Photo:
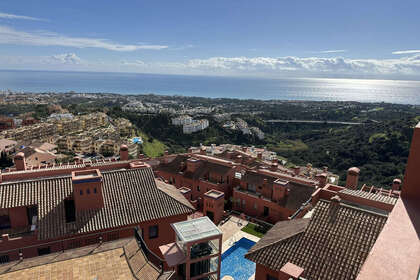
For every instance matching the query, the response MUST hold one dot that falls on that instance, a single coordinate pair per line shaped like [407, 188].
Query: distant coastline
[307, 89]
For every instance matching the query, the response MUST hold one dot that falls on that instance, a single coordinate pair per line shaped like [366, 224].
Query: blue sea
[319, 89]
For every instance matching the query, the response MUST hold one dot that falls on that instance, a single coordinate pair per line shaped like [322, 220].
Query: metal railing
[70, 243]
[150, 256]
[301, 208]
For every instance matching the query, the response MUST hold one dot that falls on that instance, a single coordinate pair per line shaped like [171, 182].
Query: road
[307, 121]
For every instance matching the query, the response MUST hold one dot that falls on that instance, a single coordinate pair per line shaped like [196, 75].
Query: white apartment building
[182, 120]
[195, 126]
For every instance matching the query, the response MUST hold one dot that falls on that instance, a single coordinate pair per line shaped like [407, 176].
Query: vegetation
[5, 160]
[378, 146]
[151, 147]
[255, 230]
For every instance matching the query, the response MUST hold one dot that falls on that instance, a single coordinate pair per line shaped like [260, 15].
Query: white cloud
[309, 65]
[66, 58]
[333, 51]
[406, 52]
[11, 16]
[404, 67]
[134, 63]
[11, 36]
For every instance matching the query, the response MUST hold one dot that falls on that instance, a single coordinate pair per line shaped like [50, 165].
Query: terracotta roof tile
[130, 197]
[371, 196]
[334, 244]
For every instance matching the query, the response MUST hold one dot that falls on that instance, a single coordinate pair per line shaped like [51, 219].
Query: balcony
[203, 249]
[252, 194]
[18, 232]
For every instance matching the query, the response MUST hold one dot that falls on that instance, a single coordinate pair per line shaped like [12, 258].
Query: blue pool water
[137, 140]
[234, 262]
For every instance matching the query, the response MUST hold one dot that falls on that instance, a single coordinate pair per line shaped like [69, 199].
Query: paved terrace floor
[103, 262]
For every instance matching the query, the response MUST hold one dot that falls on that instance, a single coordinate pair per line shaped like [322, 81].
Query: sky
[353, 39]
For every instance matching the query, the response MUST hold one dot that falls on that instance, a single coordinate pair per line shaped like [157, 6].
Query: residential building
[79, 204]
[348, 233]
[182, 120]
[257, 132]
[61, 116]
[36, 157]
[195, 126]
[261, 193]
[6, 123]
[7, 146]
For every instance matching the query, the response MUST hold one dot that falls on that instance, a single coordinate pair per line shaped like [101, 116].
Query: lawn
[154, 148]
[254, 230]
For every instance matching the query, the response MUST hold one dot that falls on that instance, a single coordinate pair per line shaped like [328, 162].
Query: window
[4, 219]
[252, 188]
[81, 192]
[94, 190]
[44, 251]
[153, 231]
[269, 277]
[255, 206]
[4, 259]
[243, 203]
[88, 191]
[198, 188]
[266, 210]
[70, 210]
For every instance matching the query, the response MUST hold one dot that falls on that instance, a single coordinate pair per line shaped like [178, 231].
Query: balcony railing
[150, 256]
[18, 232]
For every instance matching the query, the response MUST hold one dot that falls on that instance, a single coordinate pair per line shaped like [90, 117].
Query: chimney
[87, 189]
[123, 152]
[322, 179]
[273, 167]
[166, 152]
[20, 161]
[333, 208]
[325, 168]
[141, 156]
[259, 155]
[203, 151]
[244, 149]
[275, 160]
[396, 185]
[290, 271]
[279, 189]
[296, 170]
[190, 150]
[352, 178]
[192, 164]
[238, 159]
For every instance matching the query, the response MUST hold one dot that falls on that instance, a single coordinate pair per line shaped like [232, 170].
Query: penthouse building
[49, 208]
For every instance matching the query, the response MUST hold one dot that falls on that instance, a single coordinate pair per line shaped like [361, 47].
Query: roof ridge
[275, 242]
[173, 198]
[287, 236]
[353, 207]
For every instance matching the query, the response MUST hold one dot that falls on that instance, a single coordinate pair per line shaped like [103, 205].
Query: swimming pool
[137, 140]
[234, 262]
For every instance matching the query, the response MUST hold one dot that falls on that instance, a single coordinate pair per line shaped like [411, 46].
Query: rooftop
[130, 197]
[332, 244]
[119, 259]
[196, 229]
